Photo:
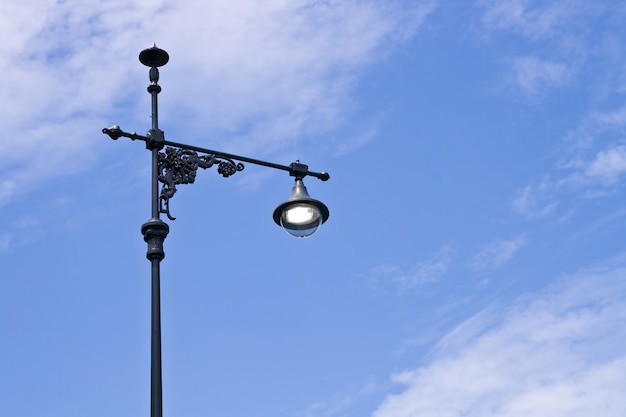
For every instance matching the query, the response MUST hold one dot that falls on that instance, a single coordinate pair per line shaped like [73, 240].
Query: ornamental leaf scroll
[179, 166]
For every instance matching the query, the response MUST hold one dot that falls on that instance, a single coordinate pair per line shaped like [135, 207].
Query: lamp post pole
[155, 231]
[300, 215]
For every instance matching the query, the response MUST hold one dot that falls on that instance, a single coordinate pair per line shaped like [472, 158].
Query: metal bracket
[179, 166]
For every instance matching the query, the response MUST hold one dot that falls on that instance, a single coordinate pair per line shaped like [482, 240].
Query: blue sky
[473, 262]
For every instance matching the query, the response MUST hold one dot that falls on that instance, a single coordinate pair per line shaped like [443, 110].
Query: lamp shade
[300, 215]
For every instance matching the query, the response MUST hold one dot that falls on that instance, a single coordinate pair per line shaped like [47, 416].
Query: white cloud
[592, 164]
[591, 176]
[497, 253]
[278, 71]
[597, 176]
[556, 354]
[609, 165]
[264, 75]
[597, 146]
[567, 55]
[565, 47]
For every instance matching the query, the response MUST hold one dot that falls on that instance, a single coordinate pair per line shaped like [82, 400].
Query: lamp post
[300, 215]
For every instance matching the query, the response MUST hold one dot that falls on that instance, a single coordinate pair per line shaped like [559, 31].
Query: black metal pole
[155, 230]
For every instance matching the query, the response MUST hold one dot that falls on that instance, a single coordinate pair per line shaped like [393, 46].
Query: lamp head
[300, 215]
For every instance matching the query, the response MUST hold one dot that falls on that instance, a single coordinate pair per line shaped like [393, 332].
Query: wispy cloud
[595, 153]
[564, 47]
[535, 21]
[496, 254]
[557, 353]
[20, 231]
[276, 73]
[534, 75]
[609, 165]
[7, 188]
[591, 164]
[407, 279]
[535, 200]
[339, 404]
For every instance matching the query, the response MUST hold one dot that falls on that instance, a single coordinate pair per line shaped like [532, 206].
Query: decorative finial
[154, 57]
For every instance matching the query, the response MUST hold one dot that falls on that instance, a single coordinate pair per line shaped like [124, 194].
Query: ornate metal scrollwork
[179, 166]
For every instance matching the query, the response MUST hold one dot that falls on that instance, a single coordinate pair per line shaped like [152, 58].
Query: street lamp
[300, 215]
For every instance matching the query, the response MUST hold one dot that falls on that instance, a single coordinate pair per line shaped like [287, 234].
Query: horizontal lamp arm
[296, 169]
